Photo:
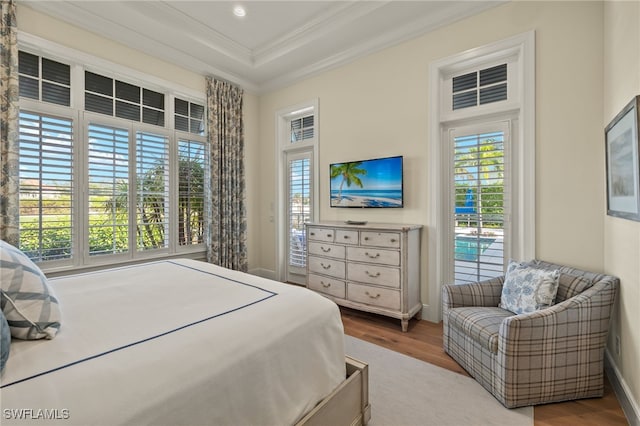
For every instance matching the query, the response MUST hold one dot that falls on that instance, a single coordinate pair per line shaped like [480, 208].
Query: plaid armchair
[553, 354]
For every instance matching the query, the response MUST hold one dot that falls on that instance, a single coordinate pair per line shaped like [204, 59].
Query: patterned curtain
[228, 233]
[9, 152]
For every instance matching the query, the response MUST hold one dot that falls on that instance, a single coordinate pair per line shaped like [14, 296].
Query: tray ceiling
[275, 44]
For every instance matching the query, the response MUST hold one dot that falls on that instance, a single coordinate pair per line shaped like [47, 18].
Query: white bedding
[176, 342]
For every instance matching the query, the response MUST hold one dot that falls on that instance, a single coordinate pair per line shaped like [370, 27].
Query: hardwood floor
[424, 341]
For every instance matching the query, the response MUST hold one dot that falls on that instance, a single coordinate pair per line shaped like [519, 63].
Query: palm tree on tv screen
[349, 172]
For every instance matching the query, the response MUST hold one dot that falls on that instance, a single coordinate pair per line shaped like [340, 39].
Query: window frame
[38, 107]
[510, 58]
[284, 145]
[201, 139]
[79, 63]
[503, 126]
[521, 111]
[297, 273]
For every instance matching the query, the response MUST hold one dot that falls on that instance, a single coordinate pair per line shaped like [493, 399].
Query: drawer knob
[325, 266]
[326, 250]
[377, 255]
[312, 233]
[393, 240]
[371, 295]
[376, 275]
[346, 237]
[329, 235]
[325, 285]
[366, 238]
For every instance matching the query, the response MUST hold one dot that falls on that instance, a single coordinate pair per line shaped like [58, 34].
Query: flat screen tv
[367, 183]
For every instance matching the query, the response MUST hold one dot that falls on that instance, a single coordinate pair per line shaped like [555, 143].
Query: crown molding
[332, 19]
[271, 66]
[200, 33]
[407, 32]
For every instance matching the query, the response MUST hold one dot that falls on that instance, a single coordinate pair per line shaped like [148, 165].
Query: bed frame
[348, 404]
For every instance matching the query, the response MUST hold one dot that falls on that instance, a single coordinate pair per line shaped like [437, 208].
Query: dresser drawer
[326, 266]
[326, 285]
[346, 237]
[328, 250]
[379, 275]
[382, 297]
[374, 255]
[321, 234]
[380, 239]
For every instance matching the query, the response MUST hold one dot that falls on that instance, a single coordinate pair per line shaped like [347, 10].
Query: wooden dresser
[373, 267]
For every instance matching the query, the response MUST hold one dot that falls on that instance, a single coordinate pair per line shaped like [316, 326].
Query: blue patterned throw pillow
[26, 300]
[528, 289]
[5, 341]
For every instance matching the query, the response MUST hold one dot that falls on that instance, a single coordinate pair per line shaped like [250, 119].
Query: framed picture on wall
[623, 172]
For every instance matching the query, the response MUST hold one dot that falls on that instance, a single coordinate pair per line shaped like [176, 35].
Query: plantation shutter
[302, 128]
[108, 190]
[191, 192]
[479, 172]
[299, 208]
[480, 87]
[46, 186]
[44, 79]
[188, 117]
[116, 98]
[152, 191]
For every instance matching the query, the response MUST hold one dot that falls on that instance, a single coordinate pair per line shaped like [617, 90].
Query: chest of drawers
[373, 267]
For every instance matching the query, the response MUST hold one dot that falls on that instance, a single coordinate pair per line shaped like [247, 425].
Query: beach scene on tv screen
[369, 183]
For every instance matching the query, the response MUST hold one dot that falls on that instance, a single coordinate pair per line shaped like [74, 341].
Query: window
[302, 128]
[46, 186]
[108, 190]
[44, 79]
[152, 191]
[297, 195]
[480, 87]
[109, 181]
[122, 187]
[191, 191]
[481, 163]
[119, 99]
[480, 206]
[299, 208]
[189, 117]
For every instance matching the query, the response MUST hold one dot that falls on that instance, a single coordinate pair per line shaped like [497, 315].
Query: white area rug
[405, 391]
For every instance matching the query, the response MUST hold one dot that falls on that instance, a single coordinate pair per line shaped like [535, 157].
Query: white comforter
[176, 342]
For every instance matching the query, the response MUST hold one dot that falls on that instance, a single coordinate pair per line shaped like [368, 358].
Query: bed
[185, 342]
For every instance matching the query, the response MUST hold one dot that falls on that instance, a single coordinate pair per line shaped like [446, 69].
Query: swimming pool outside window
[479, 211]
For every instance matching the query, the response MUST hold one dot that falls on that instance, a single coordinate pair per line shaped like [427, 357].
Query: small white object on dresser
[373, 267]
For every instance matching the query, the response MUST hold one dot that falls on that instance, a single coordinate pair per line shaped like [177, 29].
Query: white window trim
[523, 237]
[284, 145]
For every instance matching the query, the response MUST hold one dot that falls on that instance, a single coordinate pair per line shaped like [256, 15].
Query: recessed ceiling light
[239, 11]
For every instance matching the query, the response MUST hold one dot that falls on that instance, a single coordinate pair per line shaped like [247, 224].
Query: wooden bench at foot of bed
[348, 404]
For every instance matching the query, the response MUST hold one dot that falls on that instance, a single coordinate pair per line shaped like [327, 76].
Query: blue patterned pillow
[5, 341]
[528, 289]
[26, 300]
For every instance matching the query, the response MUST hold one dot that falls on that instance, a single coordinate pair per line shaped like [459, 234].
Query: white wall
[377, 106]
[252, 162]
[622, 237]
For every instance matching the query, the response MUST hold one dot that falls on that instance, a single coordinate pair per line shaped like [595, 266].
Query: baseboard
[429, 314]
[264, 273]
[622, 391]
